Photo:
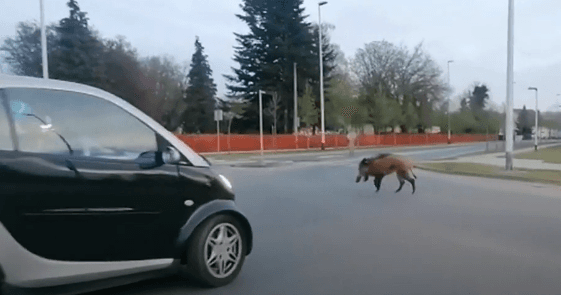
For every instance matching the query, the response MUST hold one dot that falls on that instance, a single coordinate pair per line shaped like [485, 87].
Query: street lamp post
[321, 78]
[536, 136]
[295, 103]
[509, 88]
[44, 43]
[449, 137]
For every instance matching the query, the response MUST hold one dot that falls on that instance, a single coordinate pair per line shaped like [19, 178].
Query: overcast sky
[472, 33]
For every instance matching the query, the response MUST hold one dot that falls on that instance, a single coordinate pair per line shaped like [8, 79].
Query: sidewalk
[498, 159]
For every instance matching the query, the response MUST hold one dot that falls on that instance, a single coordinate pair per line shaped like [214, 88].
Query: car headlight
[225, 181]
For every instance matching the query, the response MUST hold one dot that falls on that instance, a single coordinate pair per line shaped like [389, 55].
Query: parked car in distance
[95, 194]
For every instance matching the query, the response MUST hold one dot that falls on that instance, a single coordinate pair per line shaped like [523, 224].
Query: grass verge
[471, 169]
[548, 155]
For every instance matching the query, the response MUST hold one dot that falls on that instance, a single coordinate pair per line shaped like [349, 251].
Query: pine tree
[464, 105]
[278, 36]
[524, 126]
[200, 94]
[78, 52]
[478, 98]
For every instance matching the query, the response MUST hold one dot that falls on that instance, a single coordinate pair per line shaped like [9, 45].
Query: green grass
[471, 169]
[548, 155]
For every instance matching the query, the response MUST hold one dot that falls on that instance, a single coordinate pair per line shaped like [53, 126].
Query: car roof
[10, 81]
[32, 82]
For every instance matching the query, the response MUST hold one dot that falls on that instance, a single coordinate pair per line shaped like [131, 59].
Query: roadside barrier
[207, 143]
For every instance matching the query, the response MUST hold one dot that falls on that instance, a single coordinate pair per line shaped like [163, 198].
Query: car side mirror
[149, 160]
[171, 156]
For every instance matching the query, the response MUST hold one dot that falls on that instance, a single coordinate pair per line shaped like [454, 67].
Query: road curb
[311, 150]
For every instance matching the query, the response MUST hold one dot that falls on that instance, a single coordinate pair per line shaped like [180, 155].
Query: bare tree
[237, 111]
[385, 70]
[167, 93]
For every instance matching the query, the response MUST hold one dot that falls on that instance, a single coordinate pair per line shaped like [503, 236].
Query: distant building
[543, 132]
[434, 129]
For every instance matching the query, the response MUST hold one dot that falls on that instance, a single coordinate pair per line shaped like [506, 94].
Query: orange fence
[206, 143]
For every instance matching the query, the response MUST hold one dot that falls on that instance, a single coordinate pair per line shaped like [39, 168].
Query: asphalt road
[318, 232]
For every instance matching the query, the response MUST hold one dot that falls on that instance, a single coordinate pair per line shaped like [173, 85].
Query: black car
[94, 194]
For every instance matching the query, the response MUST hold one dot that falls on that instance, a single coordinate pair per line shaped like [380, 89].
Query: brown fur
[383, 165]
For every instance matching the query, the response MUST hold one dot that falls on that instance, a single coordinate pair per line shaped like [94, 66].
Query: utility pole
[295, 102]
[261, 122]
[44, 43]
[321, 79]
[509, 88]
[536, 135]
[487, 139]
[218, 116]
[449, 136]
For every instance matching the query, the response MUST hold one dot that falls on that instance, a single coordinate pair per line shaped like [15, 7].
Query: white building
[543, 132]
[546, 133]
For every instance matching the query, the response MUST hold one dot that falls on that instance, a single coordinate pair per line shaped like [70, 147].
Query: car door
[128, 207]
[35, 182]
[113, 209]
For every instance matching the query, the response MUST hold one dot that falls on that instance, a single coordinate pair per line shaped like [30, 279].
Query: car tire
[216, 253]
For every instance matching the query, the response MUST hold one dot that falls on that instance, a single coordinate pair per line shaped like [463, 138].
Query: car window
[5, 136]
[55, 122]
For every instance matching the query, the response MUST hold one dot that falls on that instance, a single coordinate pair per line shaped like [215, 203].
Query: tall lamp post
[449, 137]
[321, 79]
[509, 88]
[536, 136]
[261, 121]
[44, 43]
[295, 103]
